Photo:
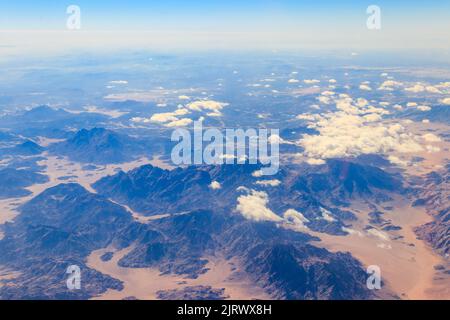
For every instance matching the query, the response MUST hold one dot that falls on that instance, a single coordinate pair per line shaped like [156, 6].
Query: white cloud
[423, 108]
[183, 97]
[257, 174]
[209, 105]
[353, 130]
[365, 87]
[429, 137]
[169, 116]
[253, 206]
[397, 161]
[295, 218]
[332, 81]
[315, 162]
[179, 123]
[118, 82]
[432, 89]
[275, 138]
[324, 99]
[446, 101]
[431, 149]
[326, 215]
[215, 185]
[270, 183]
[293, 81]
[416, 88]
[389, 85]
[307, 116]
[311, 81]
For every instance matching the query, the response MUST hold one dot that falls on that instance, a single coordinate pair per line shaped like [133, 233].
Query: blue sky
[276, 24]
[194, 14]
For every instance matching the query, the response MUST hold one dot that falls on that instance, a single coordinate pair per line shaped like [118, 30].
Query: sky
[223, 24]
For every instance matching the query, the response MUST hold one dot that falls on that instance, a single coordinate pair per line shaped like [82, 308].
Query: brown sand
[144, 283]
[406, 264]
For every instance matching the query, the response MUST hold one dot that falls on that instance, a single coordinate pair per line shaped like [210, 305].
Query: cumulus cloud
[397, 161]
[432, 89]
[315, 162]
[311, 81]
[215, 185]
[389, 85]
[446, 101]
[275, 138]
[354, 129]
[429, 137]
[270, 183]
[422, 88]
[326, 215]
[431, 149]
[253, 206]
[306, 116]
[324, 99]
[293, 81]
[423, 108]
[179, 123]
[169, 119]
[295, 218]
[257, 174]
[207, 105]
[416, 88]
[365, 87]
[169, 116]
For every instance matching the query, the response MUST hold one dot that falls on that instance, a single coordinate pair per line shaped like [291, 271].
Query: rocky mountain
[27, 148]
[434, 194]
[44, 119]
[309, 190]
[65, 223]
[340, 180]
[99, 146]
[56, 229]
[14, 181]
